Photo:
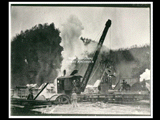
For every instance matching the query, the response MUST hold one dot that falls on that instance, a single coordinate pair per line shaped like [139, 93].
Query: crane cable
[100, 31]
[110, 40]
[94, 72]
[98, 64]
[102, 74]
[97, 61]
[81, 65]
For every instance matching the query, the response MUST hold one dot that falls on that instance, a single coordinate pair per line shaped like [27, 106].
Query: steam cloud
[72, 45]
[145, 75]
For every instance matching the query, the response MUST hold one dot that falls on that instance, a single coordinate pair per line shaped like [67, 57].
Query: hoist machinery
[66, 84]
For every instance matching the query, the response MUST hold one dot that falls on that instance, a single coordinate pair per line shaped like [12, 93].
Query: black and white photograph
[80, 60]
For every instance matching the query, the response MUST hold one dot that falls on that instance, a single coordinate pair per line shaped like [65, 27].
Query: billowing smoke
[145, 75]
[91, 47]
[72, 45]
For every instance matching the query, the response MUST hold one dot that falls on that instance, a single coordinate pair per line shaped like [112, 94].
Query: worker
[124, 85]
[74, 83]
[74, 99]
[143, 84]
[30, 96]
[75, 86]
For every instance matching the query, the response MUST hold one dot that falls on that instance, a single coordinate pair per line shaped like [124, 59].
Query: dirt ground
[98, 108]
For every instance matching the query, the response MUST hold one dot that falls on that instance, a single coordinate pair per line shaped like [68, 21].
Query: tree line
[36, 55]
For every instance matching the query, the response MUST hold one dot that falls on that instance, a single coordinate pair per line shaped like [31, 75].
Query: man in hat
[124, 83]
[30, 96]
[74, 99]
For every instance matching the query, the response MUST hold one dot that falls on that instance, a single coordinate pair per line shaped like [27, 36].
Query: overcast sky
[130, 26]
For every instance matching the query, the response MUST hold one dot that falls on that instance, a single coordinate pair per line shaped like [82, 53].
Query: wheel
[63, 99]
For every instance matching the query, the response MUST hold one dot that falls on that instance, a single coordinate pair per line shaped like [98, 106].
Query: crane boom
[91, 64]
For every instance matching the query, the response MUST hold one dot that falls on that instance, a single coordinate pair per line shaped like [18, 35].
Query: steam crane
[66, 84]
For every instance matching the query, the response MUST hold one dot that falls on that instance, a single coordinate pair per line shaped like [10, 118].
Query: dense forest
[36, 57]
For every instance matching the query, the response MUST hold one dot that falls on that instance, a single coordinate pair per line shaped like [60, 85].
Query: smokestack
[64, 72]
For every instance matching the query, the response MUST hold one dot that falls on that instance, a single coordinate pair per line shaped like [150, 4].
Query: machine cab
[66, 84]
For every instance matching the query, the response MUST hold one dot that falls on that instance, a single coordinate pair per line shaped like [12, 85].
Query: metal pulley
[109, 71]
